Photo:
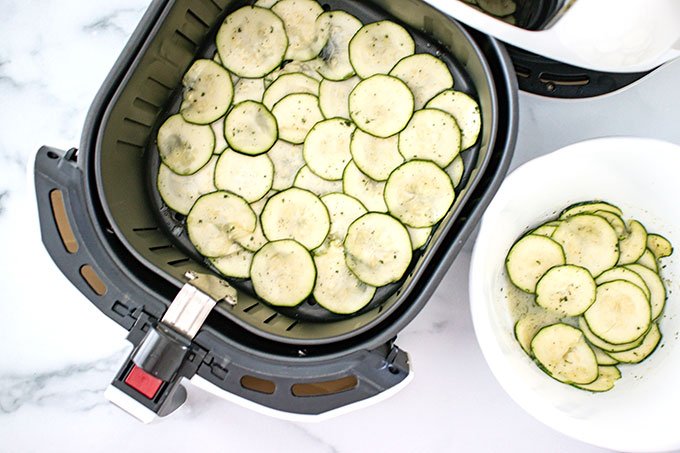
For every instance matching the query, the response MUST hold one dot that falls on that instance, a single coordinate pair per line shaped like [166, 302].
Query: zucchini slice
[252, 42]
[333, 97]
[249, 177]
[419, 236]
[235, 265]
[256, 240]
[606, 378]
[288, 161]
[369, 192]
[657, 290]
[344, 210]
[266, 3]
[530, 258]
[221, 144]
[378, 249]
[647, 347]
[621, 273]
[343, 27]
[602, 357]
[337, 289]
[545, 230]
[569, 290]
[600, 343]
[431, 135]
[588, 241]
[456, 170]
[615, 221]
[425, 75]
[250, 128]
[184, 147]
[326, 149]
[309, 68]
[376, 48]
[499, 8]
[659, 246]
[529, 325]
[649, 261]
[466, 112]
[294, 83]
[621, 313]
[563, 353]
[248, 90]
[419, 194]
[634, 244]
[296, 115]
[376, 157]
[307, 180]
[215, 220]
[181, 192]
[307, 29]
[296, 214]
[208, 92]
[381, 105]
[283, 273]
[589, 207]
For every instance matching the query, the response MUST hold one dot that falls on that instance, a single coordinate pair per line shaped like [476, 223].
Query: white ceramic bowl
[642, 413]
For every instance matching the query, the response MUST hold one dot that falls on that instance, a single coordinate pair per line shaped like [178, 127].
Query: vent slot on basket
[63, 224]
[93, 280]
[325, 388]
[258, 385]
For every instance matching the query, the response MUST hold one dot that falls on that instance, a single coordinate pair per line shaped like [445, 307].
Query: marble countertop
[58, 353]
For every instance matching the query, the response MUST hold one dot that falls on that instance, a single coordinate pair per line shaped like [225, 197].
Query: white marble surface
[58, 353]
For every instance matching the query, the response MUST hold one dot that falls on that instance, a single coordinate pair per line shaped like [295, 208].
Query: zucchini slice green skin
[344, 210]
[180, 193]
[569, 290]
[293, 83]
[649, 261]
[249, 177]
[369, 192]
[250, 128]
[657, 289]
[600, 343]
[659, 246]
[343, 27]
[589, 207]
[636, 355]
[530, 258]
[184, 147]
[333, 97]
[208, 92]
[381, 105]
[296, 115]
[634, 245]
[376, 48]
[431, 135]
[235, 265]
[425, 75]
[307, 30]
[562, 352]
[375, 157]
[606, 379]
[327, 148]
[466, 112]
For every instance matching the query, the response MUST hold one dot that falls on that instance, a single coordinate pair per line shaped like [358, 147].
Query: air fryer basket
[99, 225]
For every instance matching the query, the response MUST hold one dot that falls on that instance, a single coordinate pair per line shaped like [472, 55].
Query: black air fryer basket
[104, 225]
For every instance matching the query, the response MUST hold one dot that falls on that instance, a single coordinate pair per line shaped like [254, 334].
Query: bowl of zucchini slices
[573, 289]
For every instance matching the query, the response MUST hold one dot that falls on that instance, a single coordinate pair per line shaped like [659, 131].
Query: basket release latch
[148, 384]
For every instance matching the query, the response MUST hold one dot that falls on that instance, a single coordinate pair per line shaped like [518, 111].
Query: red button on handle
[143, 382]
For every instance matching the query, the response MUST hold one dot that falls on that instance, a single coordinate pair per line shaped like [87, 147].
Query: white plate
[642, 413]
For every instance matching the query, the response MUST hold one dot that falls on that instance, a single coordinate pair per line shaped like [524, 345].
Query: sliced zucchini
[215, 220]
[376, 157]
[602, 357]
[659, 246]
[309, 68]
[606, 378]
[621, 313]
[266, 3]
[220, 142]
[326, 149]
[569, 290]
[381, 105]
[248, 90]
[419, 194]
[337, 289]
[634, 244]
[369, 192]
[307, 29]
[376, 48]
[425, 75]
[615, 221]
[419, 236]
[563, 353]
[600, 343]
[530, 258]
[343, 27]
[529, 325]
[296, 214]
[249, 177]
[431, 135]
[649, 261]
[235, 265]
[283, 273]
[256, 240]
[344, 210]
[296, 115]
[307, 180]
[288, 161]
[657, 290]
[499, 8]
[545, 230]
[621, 273]
[333, 97]
[378, 249]
[184, 147]
[589, 207]
[294, 83]
[250, 128]
[181, 192]
[466, 112]
[588, 241]
[646, 348]
[252, 42]
[456, 171]
[208, 92]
